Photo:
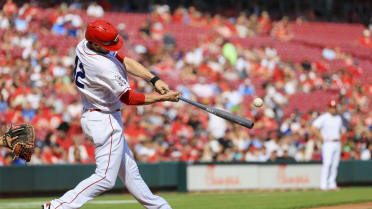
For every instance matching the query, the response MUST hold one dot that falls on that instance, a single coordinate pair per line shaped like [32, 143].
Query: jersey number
[79, 73]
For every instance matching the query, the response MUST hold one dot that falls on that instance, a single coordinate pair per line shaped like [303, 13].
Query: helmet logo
[109, 43]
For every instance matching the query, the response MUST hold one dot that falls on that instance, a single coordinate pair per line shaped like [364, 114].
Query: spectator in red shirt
[37, 156]
[52, 154]
[8, 159]
[63, 141]
[264, 23]
[89, 147]
[321, 66]
[135, 130]
[28, 12]
[10, 8]
[281, 30]
[177, 16]
[365, 40]
[77, 153]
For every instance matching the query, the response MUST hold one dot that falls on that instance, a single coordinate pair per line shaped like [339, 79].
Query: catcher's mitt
[21, 139]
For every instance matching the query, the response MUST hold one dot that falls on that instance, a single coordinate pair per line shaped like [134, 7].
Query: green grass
[229, 200]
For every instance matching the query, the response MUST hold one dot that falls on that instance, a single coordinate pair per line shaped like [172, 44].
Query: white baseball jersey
[330, 126]
[100, 78]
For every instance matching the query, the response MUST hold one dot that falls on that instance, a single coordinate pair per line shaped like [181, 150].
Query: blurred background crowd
[217, 57]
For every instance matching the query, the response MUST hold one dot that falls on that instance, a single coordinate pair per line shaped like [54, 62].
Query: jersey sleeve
[318, 123]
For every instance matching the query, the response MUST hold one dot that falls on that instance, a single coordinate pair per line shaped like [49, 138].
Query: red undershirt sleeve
[120, 57]
[131, 97]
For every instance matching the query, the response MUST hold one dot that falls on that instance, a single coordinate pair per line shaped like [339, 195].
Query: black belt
[333, 140]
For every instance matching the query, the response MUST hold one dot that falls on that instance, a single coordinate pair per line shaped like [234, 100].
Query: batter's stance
[328, 127]
[101, 77]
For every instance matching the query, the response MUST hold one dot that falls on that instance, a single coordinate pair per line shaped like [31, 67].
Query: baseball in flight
[257, 102]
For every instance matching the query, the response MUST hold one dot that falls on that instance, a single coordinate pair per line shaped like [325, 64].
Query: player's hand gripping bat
[221, 113]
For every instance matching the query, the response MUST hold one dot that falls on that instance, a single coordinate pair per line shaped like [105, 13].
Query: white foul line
[38, 204]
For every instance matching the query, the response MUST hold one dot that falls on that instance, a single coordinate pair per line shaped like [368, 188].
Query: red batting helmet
[104, 34]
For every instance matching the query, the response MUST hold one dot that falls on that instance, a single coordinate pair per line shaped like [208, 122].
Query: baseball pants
[113, 158]
[331, 152]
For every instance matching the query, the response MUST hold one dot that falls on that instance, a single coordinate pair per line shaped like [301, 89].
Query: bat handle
[184, 99]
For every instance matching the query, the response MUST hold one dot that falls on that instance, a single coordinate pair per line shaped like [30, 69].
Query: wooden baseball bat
[221, 113]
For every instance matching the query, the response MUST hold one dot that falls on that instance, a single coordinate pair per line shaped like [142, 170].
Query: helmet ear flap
[88, 34]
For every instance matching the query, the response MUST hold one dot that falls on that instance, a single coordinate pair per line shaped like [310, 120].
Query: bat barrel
[221, 113]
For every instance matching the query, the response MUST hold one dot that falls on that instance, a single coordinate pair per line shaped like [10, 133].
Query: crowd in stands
[36, 87]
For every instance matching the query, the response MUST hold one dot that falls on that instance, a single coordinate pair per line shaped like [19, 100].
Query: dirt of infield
[366, 205]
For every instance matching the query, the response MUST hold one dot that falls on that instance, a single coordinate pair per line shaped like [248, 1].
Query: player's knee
[109, 183]
[327, 164]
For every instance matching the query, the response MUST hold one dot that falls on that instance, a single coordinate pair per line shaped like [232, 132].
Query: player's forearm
[134, 98]
[137, 69]
[154, 97]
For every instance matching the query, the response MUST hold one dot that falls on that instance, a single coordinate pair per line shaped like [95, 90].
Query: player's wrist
[161, 97]
[154, 79]
[153, 98]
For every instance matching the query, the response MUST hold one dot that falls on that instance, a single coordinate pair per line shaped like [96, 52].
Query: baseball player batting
[328, 127]
[100, 75]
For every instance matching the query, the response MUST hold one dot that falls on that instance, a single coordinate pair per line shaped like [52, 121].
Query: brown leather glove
[21, 140]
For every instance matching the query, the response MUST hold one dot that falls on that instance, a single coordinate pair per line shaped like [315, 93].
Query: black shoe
[46, 206]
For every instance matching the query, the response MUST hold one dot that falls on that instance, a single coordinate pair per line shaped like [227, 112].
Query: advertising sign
[251, 176]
